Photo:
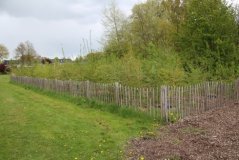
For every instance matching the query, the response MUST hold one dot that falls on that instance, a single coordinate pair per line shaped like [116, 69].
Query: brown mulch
[209, 136]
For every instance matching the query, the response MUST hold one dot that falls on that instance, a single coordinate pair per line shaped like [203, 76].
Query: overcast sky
[50, 24]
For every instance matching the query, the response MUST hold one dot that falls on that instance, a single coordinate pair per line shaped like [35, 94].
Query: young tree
[174, 11]
[145, 26]
[114, 22]
[155, 22]
[26, 53]
[3, 52]
[237, 21]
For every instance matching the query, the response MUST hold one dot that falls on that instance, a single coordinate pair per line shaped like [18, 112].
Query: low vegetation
[4, 69]
[128, 70]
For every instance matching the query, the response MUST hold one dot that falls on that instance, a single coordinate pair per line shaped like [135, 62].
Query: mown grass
[34, 125]
[125, 111]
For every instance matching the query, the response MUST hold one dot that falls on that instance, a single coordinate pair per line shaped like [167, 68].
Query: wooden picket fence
[165, 102]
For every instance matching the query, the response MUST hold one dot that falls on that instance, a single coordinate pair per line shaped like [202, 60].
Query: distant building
[17, 62]
[9, 62]
[6, 62]
[63, 60]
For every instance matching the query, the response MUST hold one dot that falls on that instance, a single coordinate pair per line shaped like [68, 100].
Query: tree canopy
[3, 52]
[204, 33]
[26, 53]
[207, 38]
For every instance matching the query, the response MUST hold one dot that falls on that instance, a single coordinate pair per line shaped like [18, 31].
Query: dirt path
[212, 135]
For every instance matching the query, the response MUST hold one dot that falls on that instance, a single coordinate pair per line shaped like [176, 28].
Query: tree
[155, 22]
[144, 26]
[207, 38]
[3, 52]
[114, 22]
[237, 20]
[174, 11]
[26, 53]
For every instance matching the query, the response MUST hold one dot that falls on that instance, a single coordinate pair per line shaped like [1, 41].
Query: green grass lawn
[37, 126]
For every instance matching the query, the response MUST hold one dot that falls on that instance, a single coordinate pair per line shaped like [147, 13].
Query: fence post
[164, 101]
[87, 89]
[117, 93]
[236, 91]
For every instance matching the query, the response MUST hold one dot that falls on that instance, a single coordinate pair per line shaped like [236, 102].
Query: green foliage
[163, 66]
[173, 117]
[149, 24]
[115, 23]
[207, 38]
[203, 33]
[153, 22]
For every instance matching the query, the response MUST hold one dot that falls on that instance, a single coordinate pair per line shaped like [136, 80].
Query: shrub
[173, 117]
[4, 69]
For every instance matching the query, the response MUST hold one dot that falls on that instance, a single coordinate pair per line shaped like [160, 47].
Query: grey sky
[50, 24]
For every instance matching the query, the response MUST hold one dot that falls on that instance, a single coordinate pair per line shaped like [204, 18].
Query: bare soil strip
[209, 136]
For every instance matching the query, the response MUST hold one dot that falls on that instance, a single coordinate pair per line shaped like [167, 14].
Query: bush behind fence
[167, 102]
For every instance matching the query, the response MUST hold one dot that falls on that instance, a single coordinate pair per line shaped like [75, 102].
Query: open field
[36, 126]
